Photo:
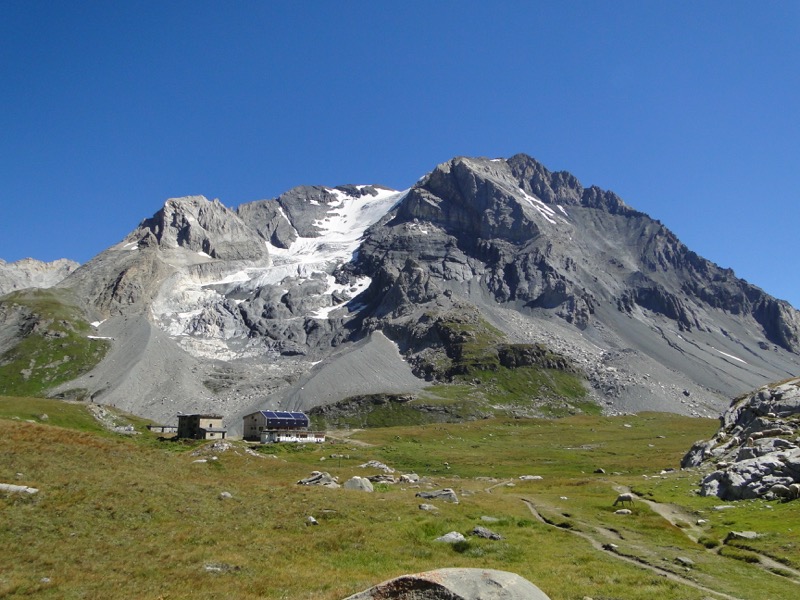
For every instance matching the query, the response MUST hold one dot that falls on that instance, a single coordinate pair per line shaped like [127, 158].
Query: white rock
[451, 538]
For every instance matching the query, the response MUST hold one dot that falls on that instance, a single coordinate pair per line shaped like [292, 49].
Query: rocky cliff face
[264, 299]
[30, 273]
[756, 452]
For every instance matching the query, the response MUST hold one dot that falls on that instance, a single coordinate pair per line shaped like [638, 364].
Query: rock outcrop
[30, 273]
[756, 452]
[204, 227]
[455, 584]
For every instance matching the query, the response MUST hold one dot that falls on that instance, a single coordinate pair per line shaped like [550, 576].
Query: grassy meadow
[131, 516]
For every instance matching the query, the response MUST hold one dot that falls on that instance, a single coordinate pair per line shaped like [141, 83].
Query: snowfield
[185, 308]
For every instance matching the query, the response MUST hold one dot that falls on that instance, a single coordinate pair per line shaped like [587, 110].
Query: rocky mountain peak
[197, 224]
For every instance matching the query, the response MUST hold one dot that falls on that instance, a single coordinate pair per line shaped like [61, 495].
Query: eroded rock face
[194, 223]
[455, 584]
[30, 273]
[756, 451]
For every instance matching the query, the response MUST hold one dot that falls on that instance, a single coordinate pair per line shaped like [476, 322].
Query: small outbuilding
[269, 426]
[201, 427]
[163, 428]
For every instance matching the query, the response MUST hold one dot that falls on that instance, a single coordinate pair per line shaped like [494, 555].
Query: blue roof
[278, 418]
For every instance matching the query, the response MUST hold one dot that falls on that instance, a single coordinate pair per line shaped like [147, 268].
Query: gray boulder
[455, 584]
[446, 494]
[17, 489]
[485, 533]
[322, 478]
[752, 477]
[451, 538]
[361, 484]
[741, 535]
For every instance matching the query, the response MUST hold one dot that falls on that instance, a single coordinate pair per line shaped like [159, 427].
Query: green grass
[53, 347]
[120, 516]
[53, 412]
[528, 391]
[476, 375]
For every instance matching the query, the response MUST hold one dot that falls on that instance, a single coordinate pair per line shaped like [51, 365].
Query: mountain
[31, 273]
[483, 274]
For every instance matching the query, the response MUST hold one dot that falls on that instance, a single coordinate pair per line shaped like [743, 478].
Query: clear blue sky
[690, 111]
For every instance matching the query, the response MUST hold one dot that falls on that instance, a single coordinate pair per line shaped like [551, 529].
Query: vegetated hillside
[44, 341]
[106, 523]
[329, 293]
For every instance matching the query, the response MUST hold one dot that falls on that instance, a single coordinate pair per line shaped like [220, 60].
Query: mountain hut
[270, 426]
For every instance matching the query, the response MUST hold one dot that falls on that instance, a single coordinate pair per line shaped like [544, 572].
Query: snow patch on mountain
[543, 209]
[200, 311]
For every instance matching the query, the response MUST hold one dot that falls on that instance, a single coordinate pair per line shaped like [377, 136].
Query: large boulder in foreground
[455, 584]
[756, 452]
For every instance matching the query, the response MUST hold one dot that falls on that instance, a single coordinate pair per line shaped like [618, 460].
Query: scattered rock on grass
[220, 568]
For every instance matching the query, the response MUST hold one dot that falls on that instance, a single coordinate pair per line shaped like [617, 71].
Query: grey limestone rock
[755, 451]
[322, 478]
[12, 488]
[361, 484]
[452, 537]
[446, 494]
[483, 532]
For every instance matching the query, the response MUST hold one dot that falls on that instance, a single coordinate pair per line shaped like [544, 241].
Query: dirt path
[687, 523]
[610, 549]
[497, 485]
[343, 436]
[676, 515]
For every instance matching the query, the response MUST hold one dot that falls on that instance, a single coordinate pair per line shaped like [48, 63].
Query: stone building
[201, 427]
